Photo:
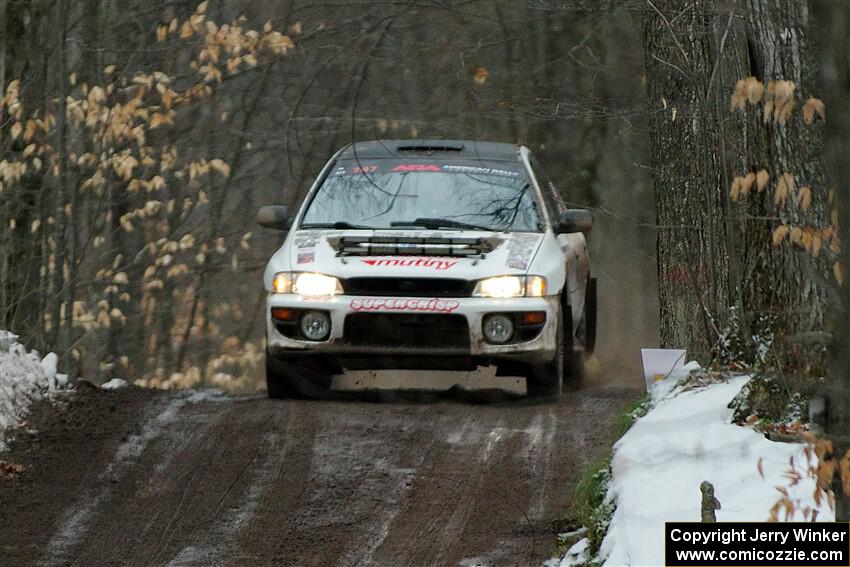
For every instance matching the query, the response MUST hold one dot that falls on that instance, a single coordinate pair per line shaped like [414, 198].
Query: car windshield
[402, 195]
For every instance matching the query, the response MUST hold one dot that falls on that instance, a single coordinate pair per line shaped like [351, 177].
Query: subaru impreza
[429, 254]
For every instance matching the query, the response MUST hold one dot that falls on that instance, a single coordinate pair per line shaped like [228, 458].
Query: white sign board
[659, 363]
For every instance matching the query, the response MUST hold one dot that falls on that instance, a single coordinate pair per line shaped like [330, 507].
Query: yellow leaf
[747, 182]
[838, 271]
[186, 242]
[779, 234]
[835, 245]
[808, 237]
[202, 7]
[220, 166]
[784, 189]
[295, 28]
[172, 25]
[762, 179]
[109, 69]
[479, 75]
[158, 120]
[738, 101]
[16, 130]
[186, 30]
[755, 90]
[783, 99]
[814, 106]
[804, 198]
[161, 33]
[735, 191]
[29, 132]
[817, 244]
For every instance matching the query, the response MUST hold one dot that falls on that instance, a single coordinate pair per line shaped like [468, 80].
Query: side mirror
[574, 220]
[274, 216]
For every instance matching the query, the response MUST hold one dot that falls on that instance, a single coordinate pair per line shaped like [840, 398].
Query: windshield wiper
[338, 225]
[434, 224]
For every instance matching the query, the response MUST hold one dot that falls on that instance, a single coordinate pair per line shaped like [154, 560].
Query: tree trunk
[834, 18]
[782, 283]
[693, 255]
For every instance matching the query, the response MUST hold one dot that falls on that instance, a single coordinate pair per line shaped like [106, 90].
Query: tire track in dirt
[74, 524]
[170, 490]
[219, 540]
[251, 481]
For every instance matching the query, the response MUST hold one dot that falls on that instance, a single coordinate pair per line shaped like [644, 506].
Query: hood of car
[468, 255]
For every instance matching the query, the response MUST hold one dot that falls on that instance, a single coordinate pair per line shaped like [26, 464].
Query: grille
[413, 245]
[406, 330]
[409, 287]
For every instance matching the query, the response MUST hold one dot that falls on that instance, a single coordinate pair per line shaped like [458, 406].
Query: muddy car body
[429, 255]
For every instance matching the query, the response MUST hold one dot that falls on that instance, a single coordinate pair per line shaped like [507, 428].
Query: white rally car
[417, 254]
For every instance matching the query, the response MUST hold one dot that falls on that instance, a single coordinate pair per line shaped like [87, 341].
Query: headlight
[315, 285]
[282, 282]
[511, 286]
[306, 284]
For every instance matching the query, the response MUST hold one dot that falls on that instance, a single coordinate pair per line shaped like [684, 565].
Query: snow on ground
[114, 384]
[24, 379]
[687, 437]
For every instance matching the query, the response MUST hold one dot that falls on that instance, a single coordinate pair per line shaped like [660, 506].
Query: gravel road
[390, 477]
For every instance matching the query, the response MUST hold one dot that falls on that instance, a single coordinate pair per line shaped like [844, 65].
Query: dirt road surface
[371, 477]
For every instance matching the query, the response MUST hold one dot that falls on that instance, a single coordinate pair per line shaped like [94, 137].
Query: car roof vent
[429, 147]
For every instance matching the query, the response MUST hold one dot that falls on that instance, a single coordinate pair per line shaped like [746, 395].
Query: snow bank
[687, 437]
[24, 378]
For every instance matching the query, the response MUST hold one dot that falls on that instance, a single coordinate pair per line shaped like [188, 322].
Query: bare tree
[693, 248]
[783, 284]
[834, 18]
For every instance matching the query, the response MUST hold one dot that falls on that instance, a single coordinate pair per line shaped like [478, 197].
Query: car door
[574, 246]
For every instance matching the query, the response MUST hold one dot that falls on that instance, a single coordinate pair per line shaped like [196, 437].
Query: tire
[573, 359]
[547, 379]
[589, 322]
[296, 378]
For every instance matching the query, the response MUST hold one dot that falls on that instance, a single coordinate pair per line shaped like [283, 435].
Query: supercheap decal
[404, 304]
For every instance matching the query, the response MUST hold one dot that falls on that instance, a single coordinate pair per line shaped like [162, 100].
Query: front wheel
[587, 330]
[296, 378]
[547, 379]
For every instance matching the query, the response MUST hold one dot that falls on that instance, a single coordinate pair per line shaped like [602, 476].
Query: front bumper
[540, 348]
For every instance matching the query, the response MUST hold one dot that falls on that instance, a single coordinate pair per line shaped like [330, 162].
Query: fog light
[498, 329]
[315, 325]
